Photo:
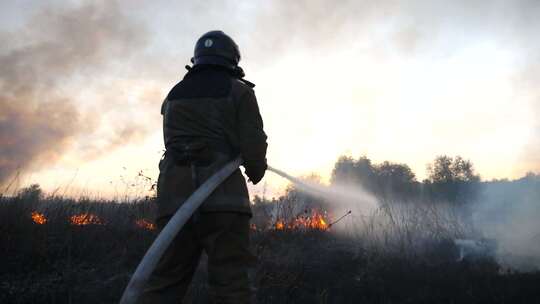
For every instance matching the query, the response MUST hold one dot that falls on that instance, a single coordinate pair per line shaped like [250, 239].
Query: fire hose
[179, 219]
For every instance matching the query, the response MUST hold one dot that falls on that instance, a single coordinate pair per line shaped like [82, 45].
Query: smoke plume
[43, 66]
[508, 212]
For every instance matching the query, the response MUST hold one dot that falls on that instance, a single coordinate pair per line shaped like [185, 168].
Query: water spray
[300, 184]
[321, 191]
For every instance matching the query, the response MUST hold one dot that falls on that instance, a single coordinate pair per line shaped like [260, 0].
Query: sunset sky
[81, 84]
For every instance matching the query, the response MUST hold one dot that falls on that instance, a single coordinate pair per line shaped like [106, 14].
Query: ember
[85, 219]
[145, 224]
[39, 218]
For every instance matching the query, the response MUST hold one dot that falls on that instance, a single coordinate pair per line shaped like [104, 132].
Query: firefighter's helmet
[216, 47]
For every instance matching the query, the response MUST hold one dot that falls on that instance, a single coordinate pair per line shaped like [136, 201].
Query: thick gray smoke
[58, 49]
[508, 212]
[502, 223]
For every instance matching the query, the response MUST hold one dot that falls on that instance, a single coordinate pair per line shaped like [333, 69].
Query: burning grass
[85, 219]
[145, 224]
[313, 220]
[59, 250]
[38, 218]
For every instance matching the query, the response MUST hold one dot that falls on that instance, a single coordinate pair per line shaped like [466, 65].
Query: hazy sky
[82, 83]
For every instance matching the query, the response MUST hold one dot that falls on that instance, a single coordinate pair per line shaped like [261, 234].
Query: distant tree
[31, 193]
[350, 171]
[452, 179]
[531, 176]
[366, 172]
[396, 180]
[441, 170]
[344, 171]
[386, 179]
[448, 169]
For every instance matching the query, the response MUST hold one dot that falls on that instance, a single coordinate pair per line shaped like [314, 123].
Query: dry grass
[402, 253]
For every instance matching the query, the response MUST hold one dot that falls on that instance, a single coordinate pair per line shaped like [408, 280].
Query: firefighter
[209, 118]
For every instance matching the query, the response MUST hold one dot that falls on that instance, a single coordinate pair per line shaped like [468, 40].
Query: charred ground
[60, 262]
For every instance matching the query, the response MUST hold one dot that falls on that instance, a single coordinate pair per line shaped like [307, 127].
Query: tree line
[449, 179]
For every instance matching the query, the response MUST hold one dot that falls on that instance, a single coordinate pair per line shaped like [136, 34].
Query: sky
[81, 85]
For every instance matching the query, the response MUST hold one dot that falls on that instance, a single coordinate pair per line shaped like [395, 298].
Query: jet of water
[342, 195]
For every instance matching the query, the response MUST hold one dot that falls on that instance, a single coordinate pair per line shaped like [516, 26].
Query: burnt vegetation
[64, 250]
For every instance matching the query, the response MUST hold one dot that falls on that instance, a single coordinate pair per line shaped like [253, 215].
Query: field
[60, 250]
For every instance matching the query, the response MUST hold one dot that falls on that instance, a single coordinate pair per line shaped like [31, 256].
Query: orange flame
[316, 220]
[145, 224]
[39, 218]
[280, 225]
[85, 219]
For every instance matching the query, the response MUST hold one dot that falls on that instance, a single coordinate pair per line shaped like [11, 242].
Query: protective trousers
[225, 239]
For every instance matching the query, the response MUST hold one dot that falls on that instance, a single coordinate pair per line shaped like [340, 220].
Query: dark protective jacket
[212, 106]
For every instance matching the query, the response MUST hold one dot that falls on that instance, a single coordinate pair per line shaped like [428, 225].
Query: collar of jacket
[205, 67]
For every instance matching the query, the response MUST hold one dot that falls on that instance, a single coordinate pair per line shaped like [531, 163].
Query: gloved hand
[255, 172]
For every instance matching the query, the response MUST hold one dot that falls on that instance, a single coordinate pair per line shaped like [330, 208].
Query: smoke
[508, 212]
[59, 49]
[438, 30]
[386, 26]
[44, 66]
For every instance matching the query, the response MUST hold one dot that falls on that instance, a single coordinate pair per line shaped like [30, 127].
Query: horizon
[142, 186]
